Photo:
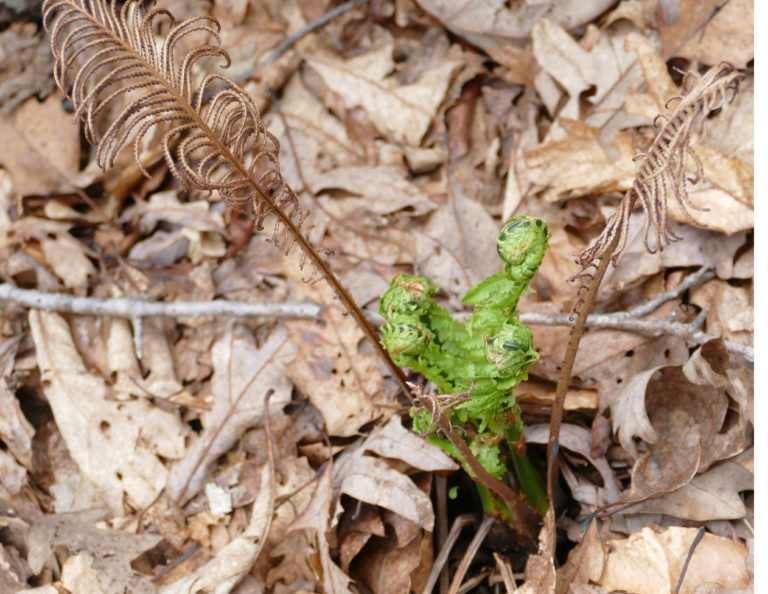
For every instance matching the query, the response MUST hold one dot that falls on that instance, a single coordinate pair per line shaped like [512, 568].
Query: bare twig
[701, 275]
[687, 331]
[445, 550]
[470, 553]
[694, 544]
[138, 307]
[289, 41]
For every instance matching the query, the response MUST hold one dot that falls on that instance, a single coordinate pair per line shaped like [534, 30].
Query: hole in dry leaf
[629, 353]
[195, 425]
[104, 426]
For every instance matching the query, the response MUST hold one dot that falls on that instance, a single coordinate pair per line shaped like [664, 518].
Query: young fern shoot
[475, 365]
[213, 136]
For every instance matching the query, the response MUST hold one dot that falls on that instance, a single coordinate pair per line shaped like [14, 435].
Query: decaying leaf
[101, 556]
[41, 146]
[487, 24]
[373, 481]
[244, 375]
[116, 445]
[680, 413]
[400, 111]
[649, 562]
[341, 377]
[15, 430]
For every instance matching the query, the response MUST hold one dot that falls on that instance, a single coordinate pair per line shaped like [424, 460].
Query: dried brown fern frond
[661, 175]
[106, 55]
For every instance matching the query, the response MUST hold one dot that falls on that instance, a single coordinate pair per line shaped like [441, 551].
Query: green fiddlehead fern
[485, 357]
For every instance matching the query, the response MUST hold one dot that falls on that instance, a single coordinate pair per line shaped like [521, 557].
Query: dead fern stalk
[107, 57]
[662, 171]
[660, 177]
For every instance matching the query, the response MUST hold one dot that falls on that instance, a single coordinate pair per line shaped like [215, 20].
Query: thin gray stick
[470, 553]
[138, 307]
[135, 308]
[644, 327]
[701, 275]
[288, 42]
[445, 551]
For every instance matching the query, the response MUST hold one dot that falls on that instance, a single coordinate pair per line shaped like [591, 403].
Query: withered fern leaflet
[106, 56]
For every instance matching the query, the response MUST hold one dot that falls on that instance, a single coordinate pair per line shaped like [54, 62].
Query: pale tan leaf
[337, 371]
[728, 36]
[382, 190]
[457, 248]
[607, 67]
[490, 23]
[65, 256]
[575, 163]
[585, 562]
[395, 441]
[79, 575]
[315, 518]
[579, 440]
[41, 146]
[115, 444]
[712, 495]
[698, 247]
[650, 562]
[236, 558]
[13, 475]
[372, 480]
[243, 376]
[402, 112]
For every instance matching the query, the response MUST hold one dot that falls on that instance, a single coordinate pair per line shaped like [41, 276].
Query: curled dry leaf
[315, 518]
[243, 376]
[116, 445]
[373, 481]
[681, 413]
[712, 495]
[578, 440]
[607, 68]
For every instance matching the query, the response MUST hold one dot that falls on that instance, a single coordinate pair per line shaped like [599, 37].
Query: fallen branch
[619, 321]
[139, 307]
[136, 308]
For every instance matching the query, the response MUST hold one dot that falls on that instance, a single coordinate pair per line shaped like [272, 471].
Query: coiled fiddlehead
[486, 357]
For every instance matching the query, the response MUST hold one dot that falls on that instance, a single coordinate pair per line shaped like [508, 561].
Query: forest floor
[135, 454]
